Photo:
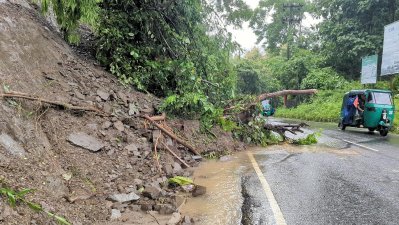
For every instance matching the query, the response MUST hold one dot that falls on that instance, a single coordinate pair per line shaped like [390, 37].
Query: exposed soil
[70, 180]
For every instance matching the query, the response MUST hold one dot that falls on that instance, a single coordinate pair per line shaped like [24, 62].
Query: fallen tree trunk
[286, 92]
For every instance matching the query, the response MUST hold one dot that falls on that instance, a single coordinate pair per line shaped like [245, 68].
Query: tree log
[286, 92]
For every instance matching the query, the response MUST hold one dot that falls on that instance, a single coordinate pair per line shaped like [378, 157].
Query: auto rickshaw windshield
[381, 98]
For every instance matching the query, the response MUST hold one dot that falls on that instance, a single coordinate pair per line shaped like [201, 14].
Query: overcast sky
[246, 37]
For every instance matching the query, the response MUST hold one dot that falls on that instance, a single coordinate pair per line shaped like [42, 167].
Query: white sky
[246, 37]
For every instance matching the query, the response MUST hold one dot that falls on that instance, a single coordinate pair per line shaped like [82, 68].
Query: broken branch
[158, 118]
[174, 154]
[57, 103]
[173, 136]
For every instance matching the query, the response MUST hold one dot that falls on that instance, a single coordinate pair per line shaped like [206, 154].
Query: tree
[353, 29]
[70, 13]
[277, 23]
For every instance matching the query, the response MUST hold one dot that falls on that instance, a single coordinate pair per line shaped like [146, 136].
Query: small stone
[106, 125]
[146, 207]
[225, 158]
[199, 190]
[176, 167]
[168, 169]
[197, 157]
[133, 110]
[175, 219]
[124, 197]
[115, 214]
[166, 209]
[85, 141]
[79, 95]
[119, 126]
[151, 192]
[102, 94]
[132, 148]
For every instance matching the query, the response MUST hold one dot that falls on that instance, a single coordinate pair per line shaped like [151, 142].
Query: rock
[106, 125]
[168, 169]
[103, 95]
[119, 126]
[199, 190]
[146, 207]
[187, 220]
[107, 108]
[197, 157]
[124, 197]
[225, 158]
[133, 110]
[56, 186]
[85, 141]
[115, 214]
[175, 219]
[122, 96]
[165, 209]
[176, 167]
[79, 95]
[147, 110]
[151, 192]
[11, 145]
[132, 149]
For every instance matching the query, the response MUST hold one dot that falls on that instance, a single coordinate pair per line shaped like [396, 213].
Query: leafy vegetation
[15, 197]
[181, 51]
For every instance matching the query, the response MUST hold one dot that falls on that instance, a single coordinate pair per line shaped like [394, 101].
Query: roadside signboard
[390, 56]
[369, 69]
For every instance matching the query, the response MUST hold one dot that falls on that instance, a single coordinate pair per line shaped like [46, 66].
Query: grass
[324, 107]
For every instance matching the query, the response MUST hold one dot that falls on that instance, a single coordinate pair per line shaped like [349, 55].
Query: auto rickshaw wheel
[341, 126]
[384, 132]
[371, 129]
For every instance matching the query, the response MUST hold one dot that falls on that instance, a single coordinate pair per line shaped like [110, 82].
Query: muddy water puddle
[221, 205]
[223, 200]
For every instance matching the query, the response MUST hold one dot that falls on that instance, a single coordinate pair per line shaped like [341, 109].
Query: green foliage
[70, 13]
[353, 29]
[14, 197]
[275, 32]
[308, 140]
[324, 79]
[180, 180]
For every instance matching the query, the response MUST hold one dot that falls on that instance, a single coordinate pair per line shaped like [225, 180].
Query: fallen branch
[173, 136]
[57, 103]
[159, 118]
[174, 154]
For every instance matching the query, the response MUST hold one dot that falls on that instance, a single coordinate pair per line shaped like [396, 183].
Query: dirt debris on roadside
[89, 168]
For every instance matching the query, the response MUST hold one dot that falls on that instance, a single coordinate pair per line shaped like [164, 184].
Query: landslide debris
[89, 168]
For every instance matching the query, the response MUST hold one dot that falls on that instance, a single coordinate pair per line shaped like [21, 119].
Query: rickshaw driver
[359, 105]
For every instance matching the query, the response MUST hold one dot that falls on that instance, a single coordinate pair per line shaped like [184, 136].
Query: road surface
[350, 177]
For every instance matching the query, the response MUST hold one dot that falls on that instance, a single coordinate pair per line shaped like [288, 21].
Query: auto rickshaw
[268, 109]
[372, 109]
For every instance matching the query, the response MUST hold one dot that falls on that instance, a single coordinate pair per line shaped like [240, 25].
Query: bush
[324, 79]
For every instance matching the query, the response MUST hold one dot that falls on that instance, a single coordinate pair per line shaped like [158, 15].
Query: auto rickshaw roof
[359, 92]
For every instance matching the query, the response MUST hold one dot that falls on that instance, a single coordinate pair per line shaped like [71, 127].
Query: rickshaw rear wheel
[341, 126]
[384, 132]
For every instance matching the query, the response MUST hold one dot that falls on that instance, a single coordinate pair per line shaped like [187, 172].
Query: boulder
[85, 141]
[115, 214]
[175, 219]
[11, 145]
[103, 94]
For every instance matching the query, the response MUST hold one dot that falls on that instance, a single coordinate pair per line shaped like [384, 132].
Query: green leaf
[180, 180]
[34, 206]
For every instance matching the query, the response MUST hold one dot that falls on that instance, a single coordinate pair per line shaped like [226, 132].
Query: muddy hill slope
[89, 168]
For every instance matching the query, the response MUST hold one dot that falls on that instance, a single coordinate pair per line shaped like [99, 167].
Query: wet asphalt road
[333, 182]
